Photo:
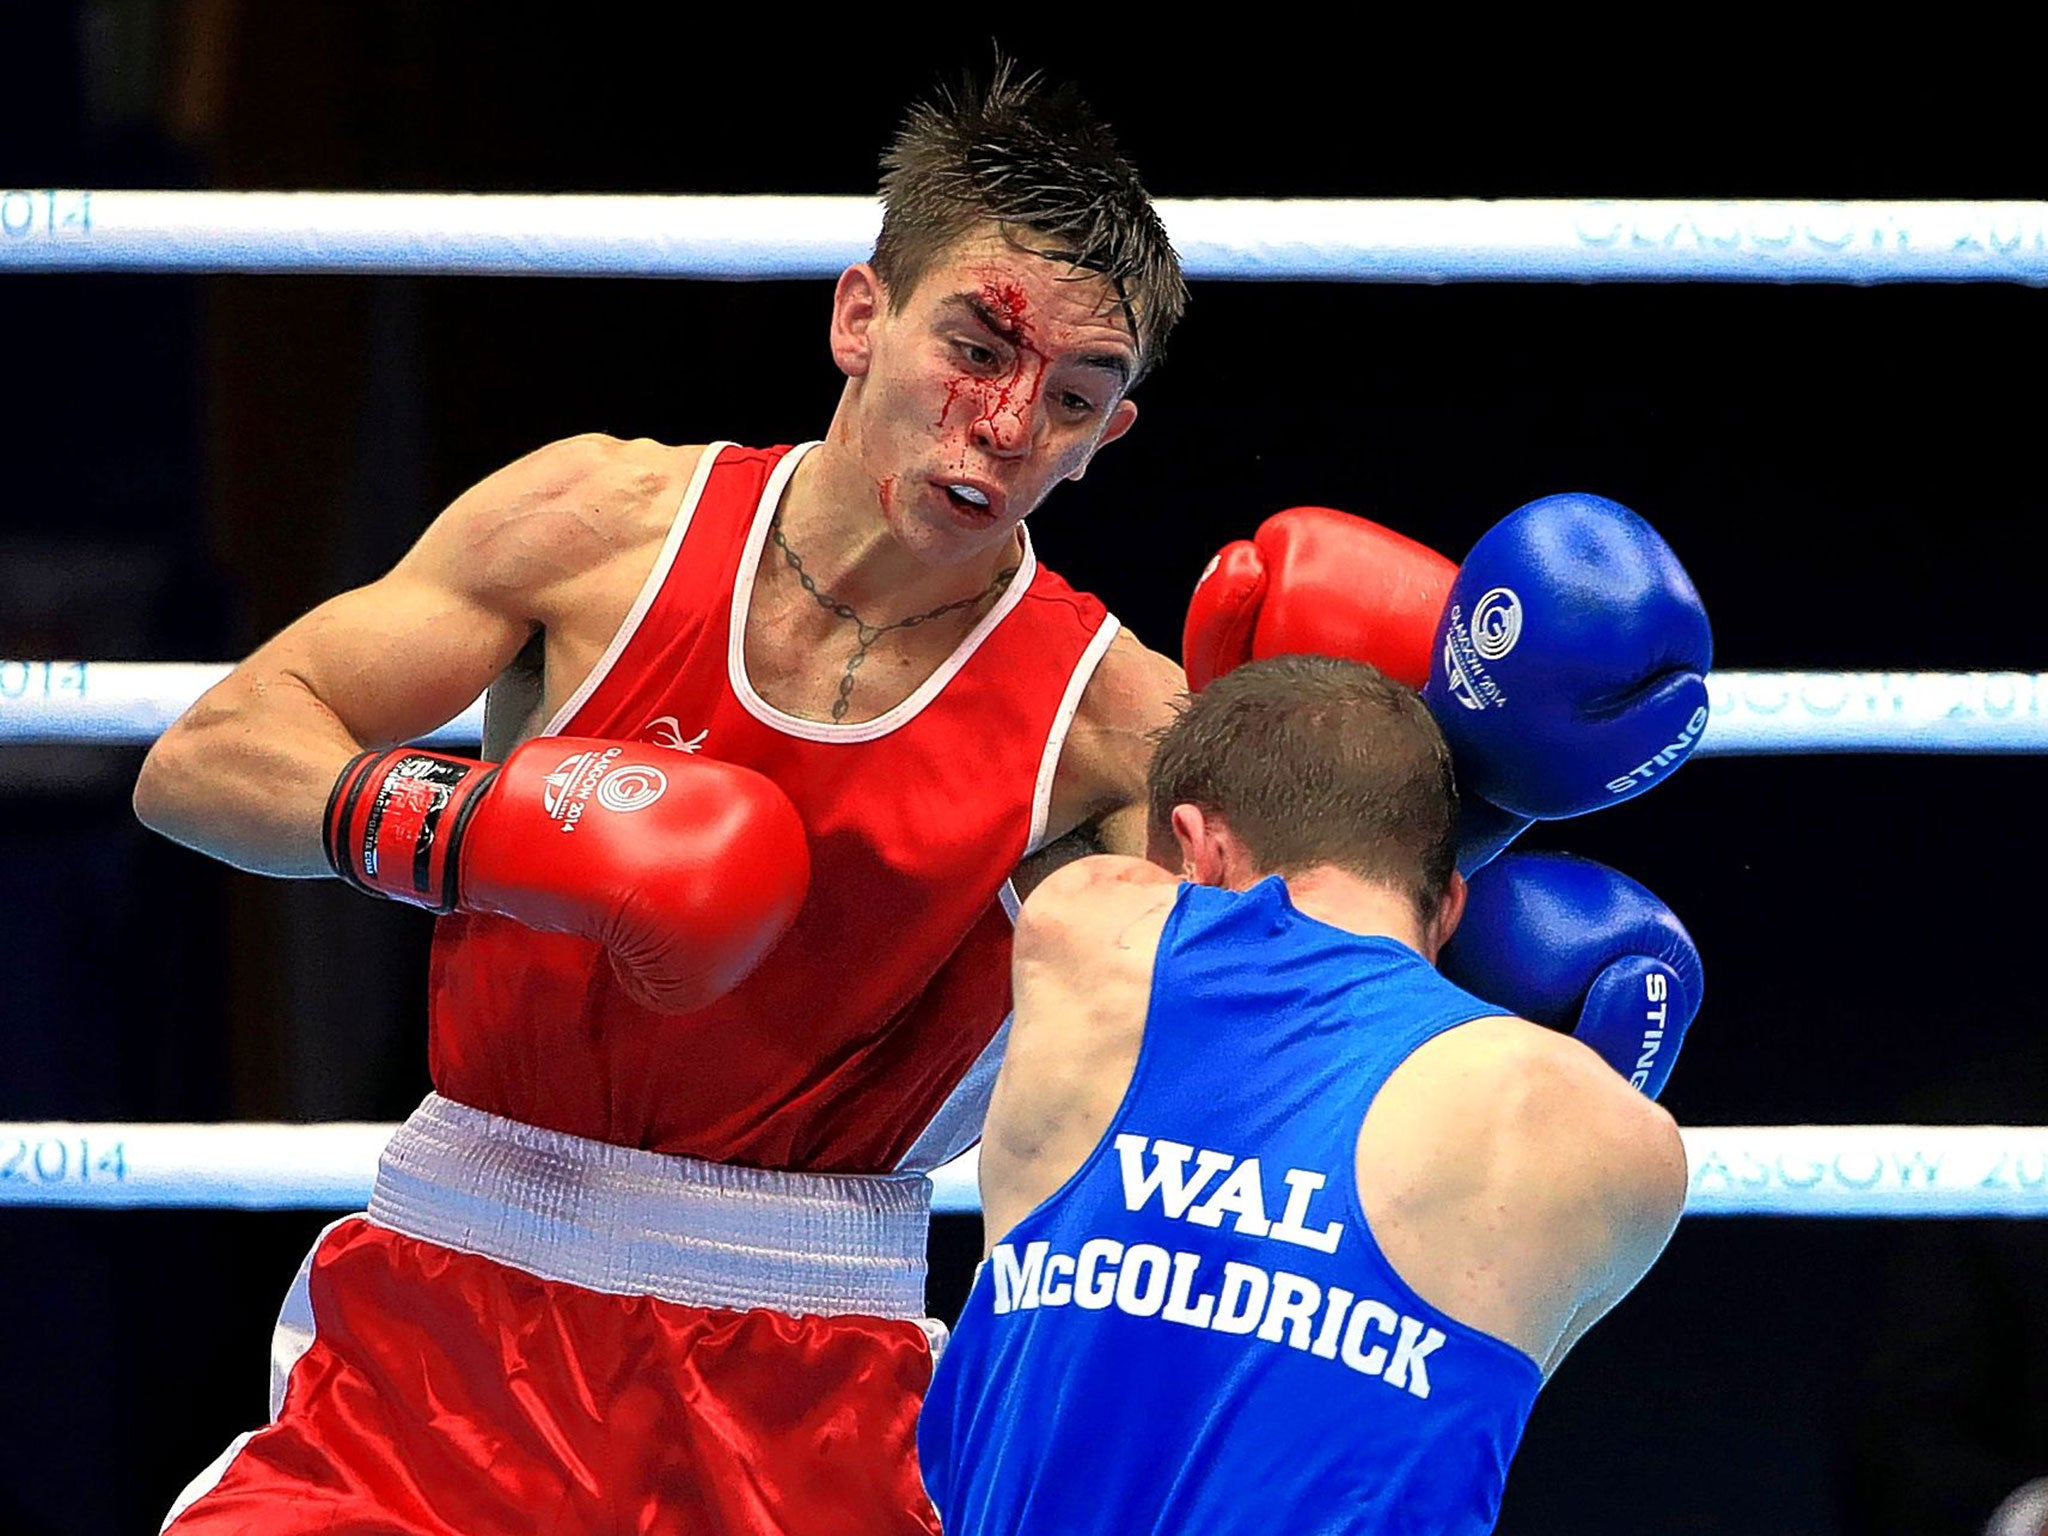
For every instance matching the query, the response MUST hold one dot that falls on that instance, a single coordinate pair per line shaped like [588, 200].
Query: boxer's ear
[857, 301]
[1188, 825]
[1209, 851]
[1121, 420]
[1450, 911]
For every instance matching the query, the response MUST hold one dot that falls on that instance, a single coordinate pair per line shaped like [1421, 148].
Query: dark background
[1853, 477]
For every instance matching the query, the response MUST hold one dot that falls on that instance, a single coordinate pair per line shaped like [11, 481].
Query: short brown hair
[1035, 161]
[1310, 760]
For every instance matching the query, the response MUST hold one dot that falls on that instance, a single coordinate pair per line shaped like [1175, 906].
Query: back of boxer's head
[1033, 159]
[1310, 761]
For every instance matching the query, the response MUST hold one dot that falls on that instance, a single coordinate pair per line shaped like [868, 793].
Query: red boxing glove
[1317, 581]
[687, 870]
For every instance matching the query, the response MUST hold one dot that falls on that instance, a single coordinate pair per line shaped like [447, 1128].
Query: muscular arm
[1082, 975]
[1629, 1192]
[1098, 798]
[244, 774]
[1518, 1183]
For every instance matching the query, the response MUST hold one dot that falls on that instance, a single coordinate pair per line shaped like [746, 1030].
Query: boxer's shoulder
[1513, 1079]
[1516, 1098]
[1507, 1141]
[1133, 684]
[584, 507]
[1131, 693]
[1085, 945]
[618, 471]
[1131, 697]
[1601, 1173]
[1089, 900]
[1090, 925]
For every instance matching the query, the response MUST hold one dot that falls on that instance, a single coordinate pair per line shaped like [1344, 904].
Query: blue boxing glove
[1579, 947]
[1569, 669]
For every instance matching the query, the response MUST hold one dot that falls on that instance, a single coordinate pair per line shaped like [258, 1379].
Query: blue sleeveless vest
[1197, 1333]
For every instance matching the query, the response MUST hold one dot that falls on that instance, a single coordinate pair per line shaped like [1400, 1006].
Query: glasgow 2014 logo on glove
[1495, 626]
[1496, 623]
[633, 787]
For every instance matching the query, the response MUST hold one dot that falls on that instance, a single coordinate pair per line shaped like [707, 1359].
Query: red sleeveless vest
[854, 1034]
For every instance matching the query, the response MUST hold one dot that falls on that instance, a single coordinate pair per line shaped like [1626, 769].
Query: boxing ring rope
[1789, 1170]
[117, 703]
[48, 229]
[1815, 1171]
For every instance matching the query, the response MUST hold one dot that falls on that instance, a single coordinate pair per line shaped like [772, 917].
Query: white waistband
[638, 1223]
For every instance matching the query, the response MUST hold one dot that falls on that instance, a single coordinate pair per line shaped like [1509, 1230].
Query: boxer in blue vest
[1286, 1229]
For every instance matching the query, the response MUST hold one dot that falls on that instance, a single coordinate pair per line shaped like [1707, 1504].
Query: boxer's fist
[1569, 668]
[1316, 581]
[1581, 948]
[687, 870]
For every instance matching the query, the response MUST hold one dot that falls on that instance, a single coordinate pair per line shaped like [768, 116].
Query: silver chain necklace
[867, 634]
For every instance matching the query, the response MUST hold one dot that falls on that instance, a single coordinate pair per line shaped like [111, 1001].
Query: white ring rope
[124, 703]
[1788, 1170]
[1958, 712]
[47, 229]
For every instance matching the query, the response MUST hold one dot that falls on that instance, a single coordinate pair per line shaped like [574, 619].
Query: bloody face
[997, 377]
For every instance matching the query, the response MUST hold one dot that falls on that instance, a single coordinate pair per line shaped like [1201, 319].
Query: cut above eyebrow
[978, 307]
[1108, 362]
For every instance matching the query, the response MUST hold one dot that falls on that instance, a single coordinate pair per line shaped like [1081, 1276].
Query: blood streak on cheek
[1018, 391]
[955, 388]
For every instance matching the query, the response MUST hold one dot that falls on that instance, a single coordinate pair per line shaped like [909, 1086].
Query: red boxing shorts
[530, 1332]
